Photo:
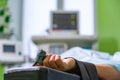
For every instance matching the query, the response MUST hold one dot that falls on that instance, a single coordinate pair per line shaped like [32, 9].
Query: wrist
[71, 63]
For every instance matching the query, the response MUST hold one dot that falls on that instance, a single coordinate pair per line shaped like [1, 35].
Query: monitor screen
[9, 48]
[64, 20]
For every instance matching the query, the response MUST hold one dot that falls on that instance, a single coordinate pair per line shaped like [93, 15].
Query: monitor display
[64, 20]
[9, 48]
[58, 49]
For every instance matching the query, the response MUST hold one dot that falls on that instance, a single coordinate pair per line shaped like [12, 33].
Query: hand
[56, 62]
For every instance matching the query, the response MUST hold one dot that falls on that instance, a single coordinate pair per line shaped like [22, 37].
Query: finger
[57, 57]
[59, 62]
[52, 63]
[46, 60]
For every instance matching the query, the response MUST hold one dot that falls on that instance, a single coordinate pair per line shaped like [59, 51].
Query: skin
[105, 72]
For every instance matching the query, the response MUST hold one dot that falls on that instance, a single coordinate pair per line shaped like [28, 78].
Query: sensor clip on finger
[39, 58]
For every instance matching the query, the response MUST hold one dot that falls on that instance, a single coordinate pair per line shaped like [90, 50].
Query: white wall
[36, 20]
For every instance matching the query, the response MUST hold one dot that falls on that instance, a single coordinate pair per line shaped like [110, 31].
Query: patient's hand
[54, 61]
[105, 72]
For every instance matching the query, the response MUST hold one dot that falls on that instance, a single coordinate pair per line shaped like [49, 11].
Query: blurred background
[27, 26]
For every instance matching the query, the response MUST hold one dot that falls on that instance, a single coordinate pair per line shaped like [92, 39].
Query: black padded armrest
[38, 73]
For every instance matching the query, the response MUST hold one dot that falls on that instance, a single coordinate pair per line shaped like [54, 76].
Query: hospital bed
[45, 73]
[87, 72]
[38, 73]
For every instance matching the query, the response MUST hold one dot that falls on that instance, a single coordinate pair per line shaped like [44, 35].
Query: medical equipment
[39, 58]
[64, 22]
[57, 48]
[10, 52]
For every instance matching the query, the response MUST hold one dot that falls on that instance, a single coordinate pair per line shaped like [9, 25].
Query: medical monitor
[10, 52]
[64, 22]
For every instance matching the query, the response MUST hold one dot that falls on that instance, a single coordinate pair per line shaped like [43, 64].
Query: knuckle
[57, 60]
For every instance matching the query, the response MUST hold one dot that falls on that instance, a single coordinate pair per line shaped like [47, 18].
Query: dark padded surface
[38, 73]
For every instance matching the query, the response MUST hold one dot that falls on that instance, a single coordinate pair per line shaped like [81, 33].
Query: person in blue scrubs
[104, 71]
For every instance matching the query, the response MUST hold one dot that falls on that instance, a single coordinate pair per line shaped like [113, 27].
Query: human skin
[105, 72]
